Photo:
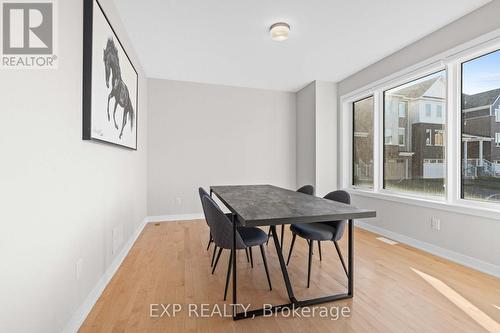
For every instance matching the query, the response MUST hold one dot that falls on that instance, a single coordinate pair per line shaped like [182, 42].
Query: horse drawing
[119, 90]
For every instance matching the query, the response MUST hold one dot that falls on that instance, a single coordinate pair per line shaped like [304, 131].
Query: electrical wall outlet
[117, 237]
[79, 268]
[435, 223]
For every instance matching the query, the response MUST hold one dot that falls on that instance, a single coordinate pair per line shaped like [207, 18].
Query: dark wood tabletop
[261, 205]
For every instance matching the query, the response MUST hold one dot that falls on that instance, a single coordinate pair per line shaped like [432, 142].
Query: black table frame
[294, 303]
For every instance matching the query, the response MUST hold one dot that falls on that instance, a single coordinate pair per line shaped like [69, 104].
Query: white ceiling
[227, 41]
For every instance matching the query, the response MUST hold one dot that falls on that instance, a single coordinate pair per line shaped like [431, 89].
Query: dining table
[268, 205]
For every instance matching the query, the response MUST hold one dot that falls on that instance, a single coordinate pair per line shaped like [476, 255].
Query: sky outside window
[482, 74]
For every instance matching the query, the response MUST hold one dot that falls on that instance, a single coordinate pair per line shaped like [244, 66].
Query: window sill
[478, 209]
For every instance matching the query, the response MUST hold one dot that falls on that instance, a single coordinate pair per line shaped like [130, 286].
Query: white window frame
[352, 142]
[474, 52]
[497, 114]
[379, 135]
[497, 139]
[451, 61]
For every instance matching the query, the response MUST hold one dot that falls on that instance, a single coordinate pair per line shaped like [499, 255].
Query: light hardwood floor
[397, 288]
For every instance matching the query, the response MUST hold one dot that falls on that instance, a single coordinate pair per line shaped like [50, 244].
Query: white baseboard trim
[81, 314]
[459, 258]
[178, 217]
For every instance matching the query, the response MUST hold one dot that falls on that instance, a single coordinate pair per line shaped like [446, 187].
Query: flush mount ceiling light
[279, 31]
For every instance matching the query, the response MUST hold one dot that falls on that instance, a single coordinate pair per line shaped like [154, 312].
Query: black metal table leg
[350, 278]
[284, 271]
[282, 236]
[294, 303]
[233, 258]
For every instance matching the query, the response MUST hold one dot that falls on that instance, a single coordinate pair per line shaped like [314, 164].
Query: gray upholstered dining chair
[306, 189]
[322, 231]
[221, 228]
[202, 192]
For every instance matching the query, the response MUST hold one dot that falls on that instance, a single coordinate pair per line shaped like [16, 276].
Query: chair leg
[229, 265]
[291, 248]
[308, 243]
[341, 258]
[246, 252]
[265, 265]
[210, 240]
[309, 263]
[268, 235]
[217, 260]
[251, 256]
[319, 248]
[213, 256]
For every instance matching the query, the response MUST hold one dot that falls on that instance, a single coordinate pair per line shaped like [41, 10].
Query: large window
[416, 161]
[480, 140]
[363, 143]
[432, 130]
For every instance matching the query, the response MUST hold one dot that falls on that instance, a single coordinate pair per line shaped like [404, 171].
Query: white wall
[202, 135]
[60, 197]
[465, 238]
[317, 136]
[306, 135]
[326, 137]
[473, 25]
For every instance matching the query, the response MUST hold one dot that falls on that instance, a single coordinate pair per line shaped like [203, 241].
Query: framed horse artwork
[110, 82]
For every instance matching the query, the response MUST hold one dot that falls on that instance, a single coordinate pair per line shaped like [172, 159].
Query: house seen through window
[415, 162]
[428, 110]
[363, 143]
[439, 111]
[480, 129]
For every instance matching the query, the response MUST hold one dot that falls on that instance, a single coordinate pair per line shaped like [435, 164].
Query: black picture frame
[88, 25]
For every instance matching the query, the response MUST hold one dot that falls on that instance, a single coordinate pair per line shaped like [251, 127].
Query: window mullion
[378, 142]
[452, 149]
